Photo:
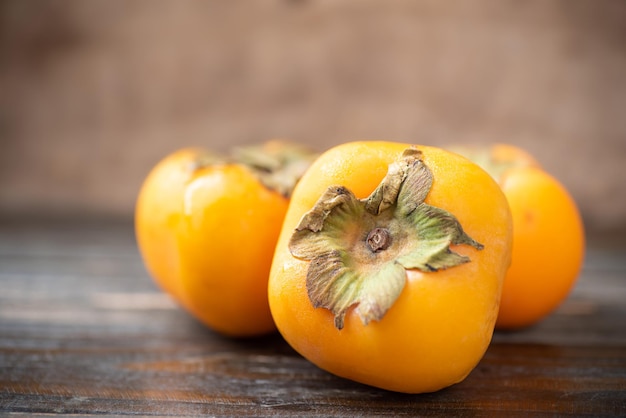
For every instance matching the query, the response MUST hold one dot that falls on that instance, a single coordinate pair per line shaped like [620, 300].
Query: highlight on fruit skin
[206, 227]
[548, 234]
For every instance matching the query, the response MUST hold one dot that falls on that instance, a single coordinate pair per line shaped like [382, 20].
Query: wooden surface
[83, 330]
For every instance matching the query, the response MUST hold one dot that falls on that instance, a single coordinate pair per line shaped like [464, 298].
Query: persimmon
[548, 235]
[389, 267]
[206, 228]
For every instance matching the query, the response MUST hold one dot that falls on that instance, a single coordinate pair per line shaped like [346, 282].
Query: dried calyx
[359, 249]
[278, 165]
[484, 157]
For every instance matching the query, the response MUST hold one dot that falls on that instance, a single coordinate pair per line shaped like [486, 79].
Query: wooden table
[83, 330]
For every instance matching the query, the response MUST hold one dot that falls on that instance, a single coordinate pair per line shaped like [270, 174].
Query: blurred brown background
[94, 93]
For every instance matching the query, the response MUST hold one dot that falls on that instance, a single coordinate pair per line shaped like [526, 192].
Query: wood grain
[83, 330]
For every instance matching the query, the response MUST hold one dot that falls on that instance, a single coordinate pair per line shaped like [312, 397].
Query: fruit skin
[206, 233]
[548, 241]
[442, 323]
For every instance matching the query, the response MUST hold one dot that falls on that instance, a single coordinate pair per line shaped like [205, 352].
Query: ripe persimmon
[548, 235]
[390, 263]
[206, 227]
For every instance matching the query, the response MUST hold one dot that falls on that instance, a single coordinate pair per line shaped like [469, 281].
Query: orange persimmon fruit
[206, 228]
[548, 235]
[389, 267]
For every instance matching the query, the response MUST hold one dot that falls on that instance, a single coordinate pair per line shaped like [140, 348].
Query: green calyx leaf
[484, 158]
[359, 249]
[278, 165]
[204, 159]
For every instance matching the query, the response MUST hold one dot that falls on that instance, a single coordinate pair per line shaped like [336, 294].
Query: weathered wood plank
[83, 330]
